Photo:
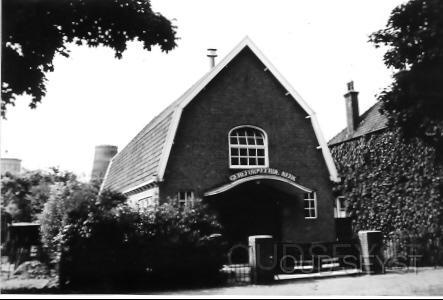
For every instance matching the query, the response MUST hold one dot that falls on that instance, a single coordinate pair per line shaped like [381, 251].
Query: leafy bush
[120, 247]
[393, 186]
[64, 199]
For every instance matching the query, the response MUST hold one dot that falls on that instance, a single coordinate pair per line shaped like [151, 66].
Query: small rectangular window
[185, 199]
[145, 203]
[341, 207]
[310, 206]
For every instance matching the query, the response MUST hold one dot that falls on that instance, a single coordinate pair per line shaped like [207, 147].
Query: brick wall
[245, 94]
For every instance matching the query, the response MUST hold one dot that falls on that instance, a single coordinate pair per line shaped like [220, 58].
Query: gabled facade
[244, 141]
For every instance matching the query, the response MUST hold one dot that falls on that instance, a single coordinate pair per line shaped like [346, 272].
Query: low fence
[270, 260]
[409, 250]
[22, 242]
[294, 258]
[238, 274]
[370, 253]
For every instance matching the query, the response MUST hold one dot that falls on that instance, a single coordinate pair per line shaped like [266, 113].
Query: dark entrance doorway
[252, 208]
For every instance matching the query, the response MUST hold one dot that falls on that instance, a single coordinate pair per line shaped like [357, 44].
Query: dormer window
[248, 148]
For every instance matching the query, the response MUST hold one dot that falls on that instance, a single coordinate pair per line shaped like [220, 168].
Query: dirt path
[424, 282]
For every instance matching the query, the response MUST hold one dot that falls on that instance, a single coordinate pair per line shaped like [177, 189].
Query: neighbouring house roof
[143, 161]
[371, 121]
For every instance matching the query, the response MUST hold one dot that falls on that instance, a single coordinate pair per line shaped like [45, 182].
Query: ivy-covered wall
[392, 186]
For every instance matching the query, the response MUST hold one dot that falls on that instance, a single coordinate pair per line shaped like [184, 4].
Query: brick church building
[244, 141]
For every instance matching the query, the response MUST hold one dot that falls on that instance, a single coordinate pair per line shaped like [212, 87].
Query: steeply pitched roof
[138, 162]
[371, 121]
[144, 159]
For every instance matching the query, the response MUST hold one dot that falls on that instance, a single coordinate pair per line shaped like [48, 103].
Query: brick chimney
[352, 111]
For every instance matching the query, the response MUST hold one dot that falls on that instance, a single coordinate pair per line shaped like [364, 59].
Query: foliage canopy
[35, 31]
[68, 200]
[25, 195]
[414, 102]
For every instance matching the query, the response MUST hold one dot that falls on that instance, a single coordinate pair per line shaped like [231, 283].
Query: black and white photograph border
[163, 148]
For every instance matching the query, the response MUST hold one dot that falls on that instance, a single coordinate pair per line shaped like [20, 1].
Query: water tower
[102, 158]
[10, 164]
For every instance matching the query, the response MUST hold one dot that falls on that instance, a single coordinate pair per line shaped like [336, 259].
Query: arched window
[248, 148]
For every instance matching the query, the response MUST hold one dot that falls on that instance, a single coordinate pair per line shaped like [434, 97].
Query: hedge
[125, 249]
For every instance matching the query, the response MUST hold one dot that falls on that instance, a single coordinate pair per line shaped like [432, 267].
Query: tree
[24, 195]
[414, 102]
[34, 31]
[71, 200]
[15, 197]
[64, 198]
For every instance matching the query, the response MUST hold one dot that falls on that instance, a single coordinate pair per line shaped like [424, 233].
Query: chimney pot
[212, 54]
[350, 86]
[352, 109]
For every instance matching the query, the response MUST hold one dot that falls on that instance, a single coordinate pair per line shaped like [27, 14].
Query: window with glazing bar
[248, 148]
[310, 206]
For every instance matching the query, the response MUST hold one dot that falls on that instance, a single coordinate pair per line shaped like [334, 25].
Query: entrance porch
[258, 205]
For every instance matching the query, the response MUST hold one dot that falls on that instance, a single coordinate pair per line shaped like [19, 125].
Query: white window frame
[247, 147]
[188, 200]
[339, 210]
[312, 198]
[150, 195]
[145, 203]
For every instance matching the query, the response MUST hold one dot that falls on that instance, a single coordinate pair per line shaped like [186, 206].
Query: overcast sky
[94, 98]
